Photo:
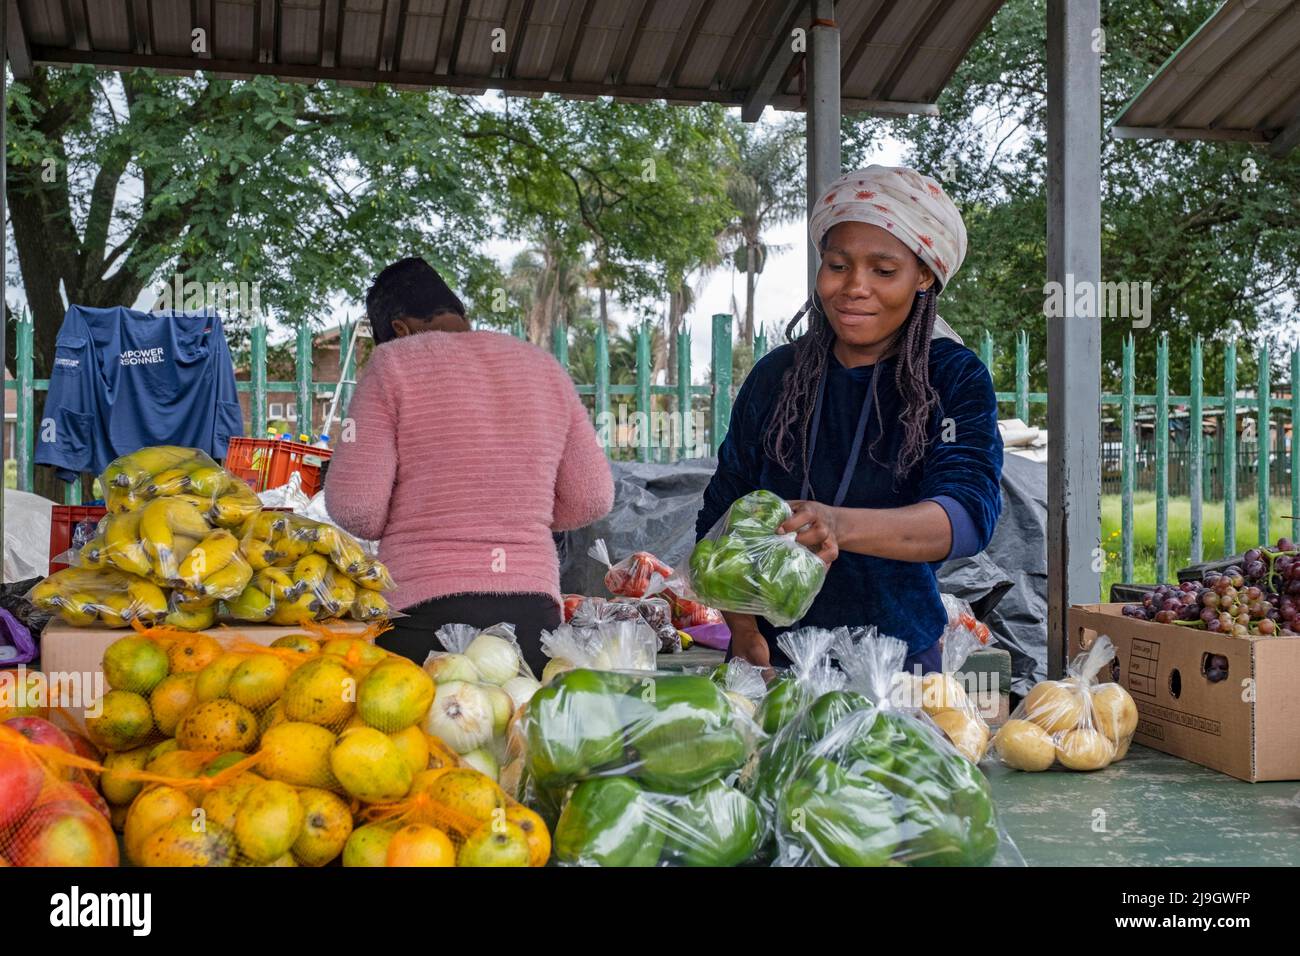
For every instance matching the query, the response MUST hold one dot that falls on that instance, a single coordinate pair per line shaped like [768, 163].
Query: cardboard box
[68, 650]
[1246, 724]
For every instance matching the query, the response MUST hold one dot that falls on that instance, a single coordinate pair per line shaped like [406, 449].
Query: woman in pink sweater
[462, 452]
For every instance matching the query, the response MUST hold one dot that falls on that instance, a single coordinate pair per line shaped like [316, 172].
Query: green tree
[766, 185]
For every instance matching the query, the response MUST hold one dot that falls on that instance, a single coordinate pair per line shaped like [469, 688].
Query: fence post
[257, 376]
[25, 453]
[602, 378]
[684, 404]
[760, 343]
[1229, 449]
[1194, 453]
[560, 344]
[1295, 444]
[1022, 375]
[1128, 462]
[721, 379]
[986, 349]
[1262, 444]
[1162, 458]
[348, 370]
[643, 387]
[303, 367]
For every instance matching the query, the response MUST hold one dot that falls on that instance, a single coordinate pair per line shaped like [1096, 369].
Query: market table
[1159, 810]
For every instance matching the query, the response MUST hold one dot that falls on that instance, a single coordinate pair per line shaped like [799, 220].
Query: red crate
[63, 518]
[268, 462]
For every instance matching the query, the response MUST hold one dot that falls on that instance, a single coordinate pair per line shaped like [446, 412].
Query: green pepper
[575, 727]
[837, 819]
[785, 698]
[757, 513]
[608, 822]
[716, 825]
[725, 578]
[830, 708]
[680, 733]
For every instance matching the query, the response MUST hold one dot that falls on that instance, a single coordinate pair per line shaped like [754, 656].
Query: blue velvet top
[901, 598]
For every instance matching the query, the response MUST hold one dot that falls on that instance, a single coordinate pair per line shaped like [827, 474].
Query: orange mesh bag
[49, 814]
[452, 816]
[262, 755]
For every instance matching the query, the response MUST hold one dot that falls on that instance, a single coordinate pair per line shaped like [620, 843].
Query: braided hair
[788, 428]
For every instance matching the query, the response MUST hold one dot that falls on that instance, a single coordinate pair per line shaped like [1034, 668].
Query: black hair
[409, 287]
[791, 421]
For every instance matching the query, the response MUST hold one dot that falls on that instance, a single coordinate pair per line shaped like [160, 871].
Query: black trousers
[413, 636]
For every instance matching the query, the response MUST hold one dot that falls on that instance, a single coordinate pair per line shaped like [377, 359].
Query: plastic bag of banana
[306, 570]
[132, 482]
[86, 596]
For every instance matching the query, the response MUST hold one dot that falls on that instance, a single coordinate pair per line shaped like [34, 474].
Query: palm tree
[766, 186]
[546, 281]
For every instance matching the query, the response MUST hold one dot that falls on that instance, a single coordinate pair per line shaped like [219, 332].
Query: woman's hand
[816, 527]
[747, 641]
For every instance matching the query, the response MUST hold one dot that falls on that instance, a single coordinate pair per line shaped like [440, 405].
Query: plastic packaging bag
[84, 597]
[653, 611]
[635, 576]
[743, 684]
[961, 615]
[604, 646]
[745, 565]
[945, 700]
[482, 681]
[858, 778]
[1077, 723]
[133, 480]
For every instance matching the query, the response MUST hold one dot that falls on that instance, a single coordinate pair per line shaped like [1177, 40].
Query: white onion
[448, 667]
[502, 707]
[554, 668]
[496, 658]
[521, 689]
[461, 716]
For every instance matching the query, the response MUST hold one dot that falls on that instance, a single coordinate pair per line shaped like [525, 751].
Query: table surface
[1156, 810]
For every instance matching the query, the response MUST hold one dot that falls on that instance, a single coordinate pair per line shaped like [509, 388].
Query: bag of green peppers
[670, 732]
[616, 821]
[745, 565]
[877, 783]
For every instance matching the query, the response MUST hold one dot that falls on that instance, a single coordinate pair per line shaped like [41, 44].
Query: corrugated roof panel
[655, 42]
[109, 26]
[359, 38]
[170, 28]
[420, 35]
[234, 30]
[711, 41]
[543, 33]
[45, 22]
[299, 31]
[1237, 75]
[476, 57]
[595, 47]
[886, 45]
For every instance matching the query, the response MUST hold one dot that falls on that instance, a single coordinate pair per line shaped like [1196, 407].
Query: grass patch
[1180, 516]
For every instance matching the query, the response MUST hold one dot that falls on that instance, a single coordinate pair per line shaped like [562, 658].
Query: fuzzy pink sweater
[461, 453]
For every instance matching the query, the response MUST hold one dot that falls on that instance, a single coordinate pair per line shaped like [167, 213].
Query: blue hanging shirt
[124, 380]
[961, 475]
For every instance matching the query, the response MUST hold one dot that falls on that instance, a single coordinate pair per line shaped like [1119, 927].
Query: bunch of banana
[169, 529]
[335, 595]
[369, 606]
[138, 468]
[122, 545]
[373, 575]
[215, 567]
[251, 604]
[234, 506]
[261, 554]
[191, 615]
[132, 481]
[83, 596]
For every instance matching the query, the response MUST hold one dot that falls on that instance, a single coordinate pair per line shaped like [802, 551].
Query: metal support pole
[257, 376]
[643, 403]
[823, 118]
[684, 404]
[25, 434]
[4, 217]
[303, 368]
[721, 379]
[1074, 554]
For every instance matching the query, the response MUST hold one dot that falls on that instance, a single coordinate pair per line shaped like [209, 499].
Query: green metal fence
[1202, 469]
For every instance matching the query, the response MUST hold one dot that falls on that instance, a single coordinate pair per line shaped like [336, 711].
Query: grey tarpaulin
[655, 507]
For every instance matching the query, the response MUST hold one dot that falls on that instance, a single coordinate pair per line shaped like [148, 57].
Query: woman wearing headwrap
[875, 423]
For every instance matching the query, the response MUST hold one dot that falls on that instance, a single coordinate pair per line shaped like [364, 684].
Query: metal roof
[1236, 78]
[895, 56]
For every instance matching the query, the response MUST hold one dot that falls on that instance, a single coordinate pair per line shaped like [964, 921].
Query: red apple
[92, 797]
[41, 731]
[85, 748]
[21, 778]
[64, 833]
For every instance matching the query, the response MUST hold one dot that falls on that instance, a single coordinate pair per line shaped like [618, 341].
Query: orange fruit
[418, 844]
[192, 653]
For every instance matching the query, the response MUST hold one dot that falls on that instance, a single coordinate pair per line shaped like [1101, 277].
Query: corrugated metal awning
[1236, 78]
[895, 56]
